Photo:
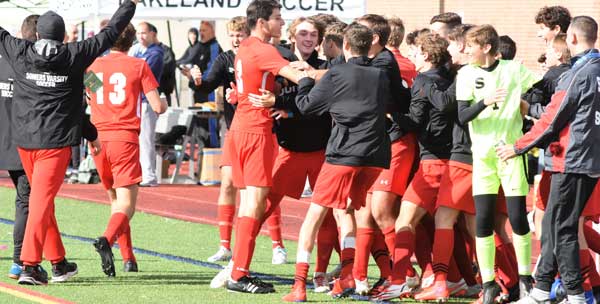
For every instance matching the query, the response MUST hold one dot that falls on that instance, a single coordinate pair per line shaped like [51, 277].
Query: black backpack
[167, 80]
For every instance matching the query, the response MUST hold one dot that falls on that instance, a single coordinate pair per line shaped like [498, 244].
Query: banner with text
[206, 9]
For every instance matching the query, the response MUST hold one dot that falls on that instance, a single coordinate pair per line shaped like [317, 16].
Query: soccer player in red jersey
[407, 68]
[115, 105]
[252, 147]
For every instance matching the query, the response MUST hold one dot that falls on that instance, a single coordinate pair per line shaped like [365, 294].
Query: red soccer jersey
[407, 68]
[116, 105]
[256, 65]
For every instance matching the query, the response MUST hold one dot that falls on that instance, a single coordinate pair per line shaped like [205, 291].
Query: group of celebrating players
[385, 142]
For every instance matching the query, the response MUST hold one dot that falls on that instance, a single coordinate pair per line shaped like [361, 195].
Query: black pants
[560, 246]
[21, 183]
[75, 156]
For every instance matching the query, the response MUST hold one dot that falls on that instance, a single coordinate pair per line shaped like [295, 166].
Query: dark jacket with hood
[48, 87]
[356, 95]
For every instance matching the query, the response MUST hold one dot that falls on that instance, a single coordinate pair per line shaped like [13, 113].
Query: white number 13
[118, 95]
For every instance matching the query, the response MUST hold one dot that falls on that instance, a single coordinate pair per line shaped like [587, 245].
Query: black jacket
[220, 74]
[9, 159]
[570, 127]
[445, 101]
[300, 133]
[202, 55]
[48, 87]
[355, 94]
[433, 126]
[400, 97]
[540, 94]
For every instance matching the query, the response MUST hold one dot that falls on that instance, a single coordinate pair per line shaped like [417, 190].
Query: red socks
[464, 260]
[390, 239]
[327, 240]
[116, 226]
[364, 240]
[274, 224]
[301, 273]
[348, 252]
[245, 241]
[125, 244]
[404, 247]
[380, 253]
[506, 263]
[442, 252]
[225, 214]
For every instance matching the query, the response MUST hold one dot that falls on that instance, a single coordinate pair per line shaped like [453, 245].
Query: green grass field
[160, 280]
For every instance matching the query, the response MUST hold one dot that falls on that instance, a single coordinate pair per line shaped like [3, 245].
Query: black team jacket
[301, 133]
[10, 158]
[355, 94]
[433, 127]
[570, 127]
[445, 101]
[48, 87]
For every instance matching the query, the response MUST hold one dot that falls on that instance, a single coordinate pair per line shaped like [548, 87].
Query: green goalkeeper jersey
[502, 122]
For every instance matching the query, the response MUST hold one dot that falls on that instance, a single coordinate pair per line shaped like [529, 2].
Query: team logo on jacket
[479, 83]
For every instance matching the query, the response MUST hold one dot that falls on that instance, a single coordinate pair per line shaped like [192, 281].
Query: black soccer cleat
[33, 275]
[130, 266]
[491, 291]
[106, 255]
[63, 271]
[247, 284]
[525, 285]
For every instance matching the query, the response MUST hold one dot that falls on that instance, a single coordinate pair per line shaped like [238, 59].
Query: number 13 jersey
[116, 103]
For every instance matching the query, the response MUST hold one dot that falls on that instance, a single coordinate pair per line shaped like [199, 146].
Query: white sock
[302, 256]
[348, 242]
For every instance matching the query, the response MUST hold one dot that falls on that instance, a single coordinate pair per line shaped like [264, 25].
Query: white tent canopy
[204, 9]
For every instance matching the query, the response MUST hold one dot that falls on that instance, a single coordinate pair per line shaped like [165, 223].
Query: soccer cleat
[320, 282]
[531, 300]
[471, 291]
[33, 275]
[279, 256]
[491, 292]
[413, 282]
[130, 266]
[394, 292]
[457, 289]
[246, 284]
[298, 293]
[15, 271]
[106, 256]
[379, 286]
[222, 255]
[220, 280]
[63, 271]
[437, 292]
[525, 285]
[343, 287]
[557, 291]
[362, 287]
[335, 273]
[427, 281]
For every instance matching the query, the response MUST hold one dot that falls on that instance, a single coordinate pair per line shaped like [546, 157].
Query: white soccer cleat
[428, 281]
[413, 282]
[362, 287]
[457, 289]
[221, 278]
[222, 255]
[320, 282]
[279, 256]
[393, 292]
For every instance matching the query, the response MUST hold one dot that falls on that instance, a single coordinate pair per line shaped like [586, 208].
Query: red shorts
[337, 183]
[292, 168]
[118, 164]
[592, 207]
[456, 188]
[226, 156]
[423, 189]
[395, 179]
[252, 159]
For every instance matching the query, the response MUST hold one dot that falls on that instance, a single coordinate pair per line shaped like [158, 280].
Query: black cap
[51, 26]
